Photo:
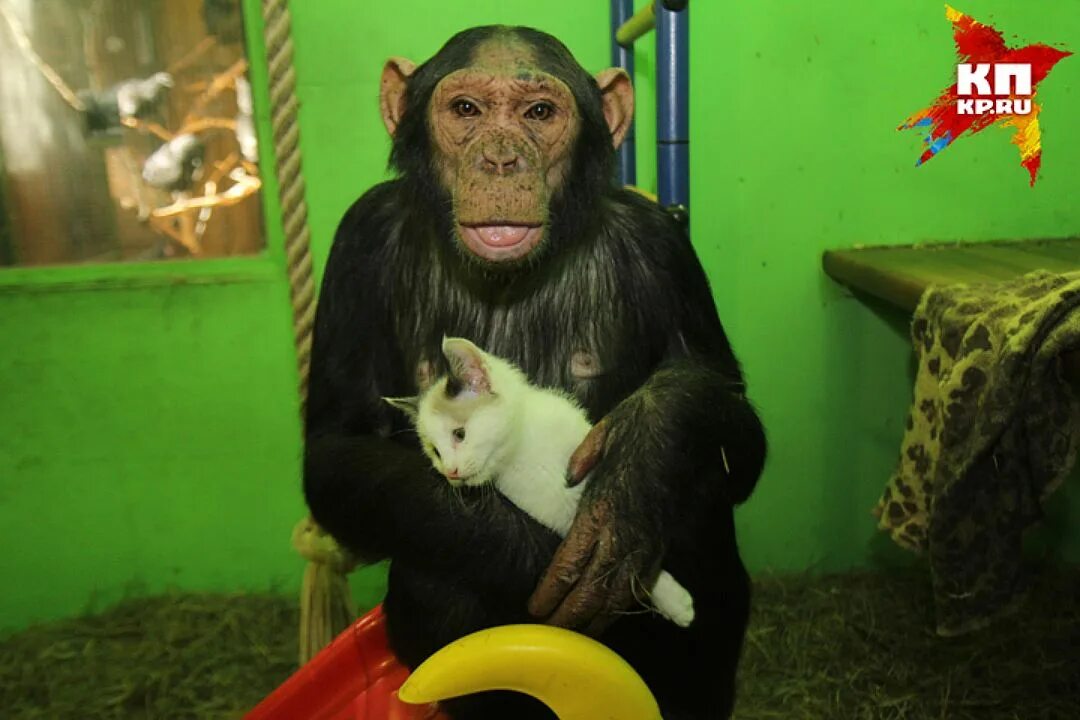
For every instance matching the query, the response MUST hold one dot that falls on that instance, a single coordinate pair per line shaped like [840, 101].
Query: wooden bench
[898, 275]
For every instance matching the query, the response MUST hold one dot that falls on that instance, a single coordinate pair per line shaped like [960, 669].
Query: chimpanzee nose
[501, 160]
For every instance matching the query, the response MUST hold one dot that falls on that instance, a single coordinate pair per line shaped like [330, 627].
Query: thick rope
[277, 25]
[326, 605]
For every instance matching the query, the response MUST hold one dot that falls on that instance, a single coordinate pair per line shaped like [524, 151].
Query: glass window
[126, 132]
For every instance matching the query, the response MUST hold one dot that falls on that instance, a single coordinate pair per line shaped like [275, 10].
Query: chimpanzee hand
[612, 554]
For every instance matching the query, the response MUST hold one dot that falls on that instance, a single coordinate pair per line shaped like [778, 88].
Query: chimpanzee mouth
[501, 241]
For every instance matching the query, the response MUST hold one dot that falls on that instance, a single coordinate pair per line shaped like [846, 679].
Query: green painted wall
[148, 440]
[795, 151]
[149, 434]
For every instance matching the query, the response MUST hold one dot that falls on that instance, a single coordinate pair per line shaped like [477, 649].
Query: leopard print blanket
[993, 430]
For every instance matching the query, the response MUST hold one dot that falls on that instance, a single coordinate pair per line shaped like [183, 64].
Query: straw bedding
[843, 647]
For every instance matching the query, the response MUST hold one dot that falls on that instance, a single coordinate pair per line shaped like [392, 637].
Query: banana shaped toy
[575, 676]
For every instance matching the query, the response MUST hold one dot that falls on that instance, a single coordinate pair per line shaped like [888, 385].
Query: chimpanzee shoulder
[373, 214]
[346, 378]
[667, 282]
[644, 223]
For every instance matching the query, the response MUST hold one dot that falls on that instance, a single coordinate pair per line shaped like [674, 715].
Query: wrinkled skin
[572, 592]
[504, 134]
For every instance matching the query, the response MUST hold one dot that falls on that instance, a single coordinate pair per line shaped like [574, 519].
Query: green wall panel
[149, 439]
[795, 150]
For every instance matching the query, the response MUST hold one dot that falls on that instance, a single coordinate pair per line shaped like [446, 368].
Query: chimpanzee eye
[459, 434]
[465, 108]
[540, 111]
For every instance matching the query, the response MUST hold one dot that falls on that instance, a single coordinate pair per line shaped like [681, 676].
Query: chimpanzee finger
[566, 568]
[621, 598]
[590, 595]
[588, 453]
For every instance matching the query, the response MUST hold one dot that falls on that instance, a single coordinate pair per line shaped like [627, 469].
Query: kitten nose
[452, 473]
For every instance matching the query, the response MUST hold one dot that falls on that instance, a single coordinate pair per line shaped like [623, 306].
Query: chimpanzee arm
[683, 445]
[692, 411]
[695, 403]
[365, 479]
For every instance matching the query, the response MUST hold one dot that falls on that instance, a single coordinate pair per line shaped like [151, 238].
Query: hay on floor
[863, 646]
[845, 647]
[183, 656]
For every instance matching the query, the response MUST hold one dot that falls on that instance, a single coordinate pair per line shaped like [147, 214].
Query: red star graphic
[979, 43]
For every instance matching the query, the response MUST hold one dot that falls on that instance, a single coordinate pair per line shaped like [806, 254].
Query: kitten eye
[435, 452]
[459, 434]
[540, 111]
[465, 108]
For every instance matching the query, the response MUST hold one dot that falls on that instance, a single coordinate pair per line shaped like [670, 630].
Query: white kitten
[485, 423]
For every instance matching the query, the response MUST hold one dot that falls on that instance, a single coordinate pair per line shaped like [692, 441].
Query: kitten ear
[467, 364]
[408, 405]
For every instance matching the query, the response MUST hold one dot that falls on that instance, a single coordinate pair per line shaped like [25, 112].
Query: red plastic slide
[356, 677]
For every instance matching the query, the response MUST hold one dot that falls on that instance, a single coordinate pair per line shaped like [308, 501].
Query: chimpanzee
[505, 225]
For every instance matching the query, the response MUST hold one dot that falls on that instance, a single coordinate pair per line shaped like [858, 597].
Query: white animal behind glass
[484, 423]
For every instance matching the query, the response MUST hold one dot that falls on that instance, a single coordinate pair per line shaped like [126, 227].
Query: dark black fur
[618, 278]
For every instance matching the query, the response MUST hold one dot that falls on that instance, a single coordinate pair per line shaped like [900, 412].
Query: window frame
[262, 266]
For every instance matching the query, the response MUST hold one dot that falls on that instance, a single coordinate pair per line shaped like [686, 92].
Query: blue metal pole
[673, 106]
[621, 10]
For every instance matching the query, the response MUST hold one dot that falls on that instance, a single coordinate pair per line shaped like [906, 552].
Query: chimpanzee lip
[491, 224]
[498, 240]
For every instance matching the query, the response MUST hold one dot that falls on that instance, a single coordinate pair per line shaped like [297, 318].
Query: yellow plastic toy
[575, 676]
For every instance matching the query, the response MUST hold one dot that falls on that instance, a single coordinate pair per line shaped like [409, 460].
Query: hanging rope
[286, 131]
[326, 605]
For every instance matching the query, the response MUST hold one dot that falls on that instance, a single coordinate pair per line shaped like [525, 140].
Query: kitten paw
[672, 600]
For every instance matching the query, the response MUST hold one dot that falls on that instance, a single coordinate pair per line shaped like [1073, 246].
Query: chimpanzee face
[502, 134]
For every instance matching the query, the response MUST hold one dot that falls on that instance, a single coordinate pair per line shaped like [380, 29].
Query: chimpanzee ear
[617, 92]
[395, 78]
[467, 364]
[408, 405]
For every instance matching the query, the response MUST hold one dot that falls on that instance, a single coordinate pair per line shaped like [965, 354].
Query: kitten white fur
[498, 428]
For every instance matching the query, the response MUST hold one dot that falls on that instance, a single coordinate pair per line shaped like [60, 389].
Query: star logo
[974, 103]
